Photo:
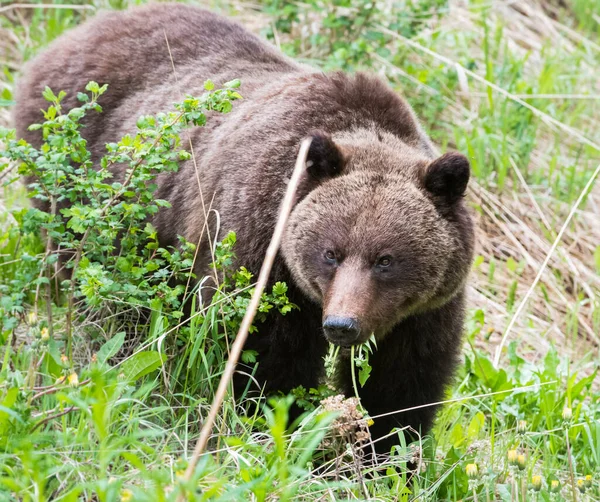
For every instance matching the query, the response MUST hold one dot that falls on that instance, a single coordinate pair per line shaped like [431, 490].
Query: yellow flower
[567, 413]
[45, 335]
[521, 461]
[370, 422]
[126, 495]
[581, 485]
[554, 486]
[522, 426]
[73, 379]
[513, 455]
[536, 482]
[588, 481]
[32, 318]
[471, 470]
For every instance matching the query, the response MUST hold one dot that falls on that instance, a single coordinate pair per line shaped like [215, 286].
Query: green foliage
[347, 34]
[116, 420]
[87, 211]
[100, 257]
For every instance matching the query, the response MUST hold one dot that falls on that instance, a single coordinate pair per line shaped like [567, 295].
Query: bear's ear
[447, 177]
[325, 159]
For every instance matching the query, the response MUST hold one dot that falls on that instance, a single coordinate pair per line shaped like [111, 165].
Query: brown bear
[380, 240]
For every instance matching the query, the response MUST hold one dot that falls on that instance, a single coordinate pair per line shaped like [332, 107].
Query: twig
[51, 417]
[58, 382]
[242, 335]
[56, 388]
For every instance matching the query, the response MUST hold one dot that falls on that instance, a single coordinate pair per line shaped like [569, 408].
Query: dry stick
[51, 417]
[544, 264]
[242, 335]
[55, 388]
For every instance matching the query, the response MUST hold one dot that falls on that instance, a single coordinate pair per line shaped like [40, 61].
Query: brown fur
[373, 188]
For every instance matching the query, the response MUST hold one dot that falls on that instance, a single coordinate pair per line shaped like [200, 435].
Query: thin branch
[242, 335]
[56, 388]
[52, 417]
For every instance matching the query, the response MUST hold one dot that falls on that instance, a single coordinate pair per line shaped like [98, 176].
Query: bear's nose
[341, 330]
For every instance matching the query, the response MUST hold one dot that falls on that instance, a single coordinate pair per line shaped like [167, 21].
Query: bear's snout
[341, 330]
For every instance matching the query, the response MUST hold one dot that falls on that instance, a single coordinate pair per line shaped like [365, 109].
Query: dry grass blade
[544, 116]
[565, 226]
[242, 335]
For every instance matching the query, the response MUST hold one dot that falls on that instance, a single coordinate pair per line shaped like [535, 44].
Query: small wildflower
[32, 318]
[513, 456]
[581, 485]
[370, 422]
[126, 495]
[44, 334]
[522, 426]
[472, 470]
[64, 359]
[536, 482]
[73, 379]
[94, 358]
[588, 481]
[121, 376]
[521, 461]
[180, 473]
[567, 413]
[554, 486]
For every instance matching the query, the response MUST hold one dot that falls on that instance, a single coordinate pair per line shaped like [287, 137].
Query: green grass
[126, 429]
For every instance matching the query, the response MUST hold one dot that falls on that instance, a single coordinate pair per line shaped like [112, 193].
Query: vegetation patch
[103, 387]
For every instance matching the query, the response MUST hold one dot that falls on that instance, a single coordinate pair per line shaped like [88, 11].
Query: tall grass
[515, 86]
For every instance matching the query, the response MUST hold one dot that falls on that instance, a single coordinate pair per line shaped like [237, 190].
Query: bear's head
[379, 232]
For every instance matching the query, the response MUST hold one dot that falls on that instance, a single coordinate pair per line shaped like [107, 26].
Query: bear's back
[138, 51]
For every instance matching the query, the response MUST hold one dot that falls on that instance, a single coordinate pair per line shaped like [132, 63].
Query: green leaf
[6, 410]
[232, 84]
[249, 356]
[476, 425]
[110, 348]
[209, 85]
[7, 102]
[92, 87]
[48, 94]
[363, 374]
[141, 364]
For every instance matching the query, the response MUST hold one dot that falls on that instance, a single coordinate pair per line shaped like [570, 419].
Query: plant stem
[571, 471]
[353, 373]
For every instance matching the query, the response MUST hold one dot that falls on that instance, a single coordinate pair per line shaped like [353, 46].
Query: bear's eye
[330, 256]
[384, 261]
